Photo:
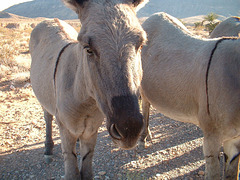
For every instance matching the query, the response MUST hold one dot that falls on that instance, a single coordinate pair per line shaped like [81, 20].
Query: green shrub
[198, 24]
[210, 18]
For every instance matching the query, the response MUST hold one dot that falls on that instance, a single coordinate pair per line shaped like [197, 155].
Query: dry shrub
[198, 25]
[12, 43]
[8, 51]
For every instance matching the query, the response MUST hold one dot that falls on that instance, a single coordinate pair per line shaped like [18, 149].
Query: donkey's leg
[49, 141]
[68, 144]
[211, 150]
[146, 134]
[86, 151]
[232, 151]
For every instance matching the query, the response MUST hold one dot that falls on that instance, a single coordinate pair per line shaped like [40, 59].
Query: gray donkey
[229, 27]
[194, 80]
[82, 82]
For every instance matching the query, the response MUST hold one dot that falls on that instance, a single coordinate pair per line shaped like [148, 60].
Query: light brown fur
[174, 81]
[83, 82]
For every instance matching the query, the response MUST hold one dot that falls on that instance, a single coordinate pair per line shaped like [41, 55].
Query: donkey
[82, 82]
[196, 81]
[229, 27]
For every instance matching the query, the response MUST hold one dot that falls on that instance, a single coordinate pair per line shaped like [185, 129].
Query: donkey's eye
[88, 50]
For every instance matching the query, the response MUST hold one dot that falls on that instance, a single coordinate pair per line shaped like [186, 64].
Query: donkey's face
[111, 37]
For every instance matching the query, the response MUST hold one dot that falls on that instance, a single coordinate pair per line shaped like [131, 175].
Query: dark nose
[126, 122]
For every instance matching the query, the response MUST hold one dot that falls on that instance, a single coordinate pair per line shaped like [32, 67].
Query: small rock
[201, 173]
[96, 177]
[27, 85]
[12, 87]
[102, 173]
[31, 176]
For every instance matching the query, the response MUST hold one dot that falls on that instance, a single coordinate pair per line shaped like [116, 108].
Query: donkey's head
[112, 37]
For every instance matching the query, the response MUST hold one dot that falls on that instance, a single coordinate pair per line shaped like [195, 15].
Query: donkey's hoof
[48, 158]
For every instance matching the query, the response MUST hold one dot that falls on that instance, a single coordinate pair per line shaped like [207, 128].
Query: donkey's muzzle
[126, 123]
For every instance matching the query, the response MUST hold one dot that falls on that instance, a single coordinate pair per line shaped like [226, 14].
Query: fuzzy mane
[178, 23]
[65, 30]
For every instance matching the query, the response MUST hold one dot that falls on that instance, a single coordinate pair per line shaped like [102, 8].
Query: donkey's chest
[81, 119]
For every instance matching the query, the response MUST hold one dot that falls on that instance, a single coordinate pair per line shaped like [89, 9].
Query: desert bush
[13, 26]
[8, 34]
[211, 26]
[7, 43]
[198, 25]
[7, 53]
[210, 19]
[12, 42]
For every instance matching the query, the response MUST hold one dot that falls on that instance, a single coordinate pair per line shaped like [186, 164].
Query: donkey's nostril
[115, 133]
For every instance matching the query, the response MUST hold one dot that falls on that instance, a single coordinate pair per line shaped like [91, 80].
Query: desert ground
[175, 151]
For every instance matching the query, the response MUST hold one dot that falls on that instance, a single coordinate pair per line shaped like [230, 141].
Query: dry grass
[13, 44]
[7, 46]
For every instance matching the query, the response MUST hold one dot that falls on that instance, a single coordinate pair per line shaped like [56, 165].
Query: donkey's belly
[177, 115]
[177, 108]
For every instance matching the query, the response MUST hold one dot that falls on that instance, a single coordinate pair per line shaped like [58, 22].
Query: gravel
[174, 153]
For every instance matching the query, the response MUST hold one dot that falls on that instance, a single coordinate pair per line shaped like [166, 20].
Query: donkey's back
[229, 27]
[174, 63]
[47, 40]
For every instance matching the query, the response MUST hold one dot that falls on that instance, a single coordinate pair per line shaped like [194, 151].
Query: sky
[4, 4]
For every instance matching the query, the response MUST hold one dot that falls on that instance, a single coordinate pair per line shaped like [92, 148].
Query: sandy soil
[174, 153]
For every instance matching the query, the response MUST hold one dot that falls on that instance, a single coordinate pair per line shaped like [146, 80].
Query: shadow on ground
[113, 162]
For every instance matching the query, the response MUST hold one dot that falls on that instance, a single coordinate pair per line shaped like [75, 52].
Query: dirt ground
[174, 153]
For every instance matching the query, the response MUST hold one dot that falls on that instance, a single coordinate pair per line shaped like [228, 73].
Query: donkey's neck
[81, 89]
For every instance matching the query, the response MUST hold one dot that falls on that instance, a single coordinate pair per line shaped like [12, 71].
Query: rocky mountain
[43, 8]
[177, 8]
[188, 8]
[9, 15]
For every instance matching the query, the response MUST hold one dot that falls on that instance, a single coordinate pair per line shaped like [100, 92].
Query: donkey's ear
[138, 4]
[74, 4]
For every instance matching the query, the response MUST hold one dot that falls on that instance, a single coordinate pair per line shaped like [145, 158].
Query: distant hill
[43, 8]
[177, 8]
[189, 8]
[9, 15]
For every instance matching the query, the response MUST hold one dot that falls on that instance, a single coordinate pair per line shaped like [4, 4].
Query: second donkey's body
[197, 81]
